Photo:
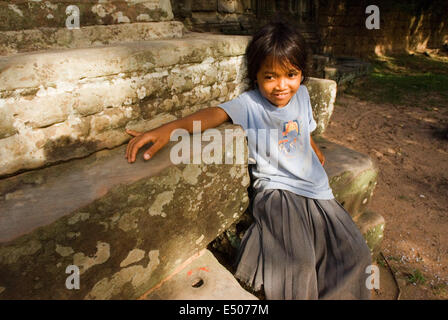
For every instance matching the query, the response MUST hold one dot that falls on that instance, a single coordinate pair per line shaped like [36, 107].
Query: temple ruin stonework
[68, 197]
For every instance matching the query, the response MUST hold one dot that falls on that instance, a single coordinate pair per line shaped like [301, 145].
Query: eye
[292, 75]
[269, 77]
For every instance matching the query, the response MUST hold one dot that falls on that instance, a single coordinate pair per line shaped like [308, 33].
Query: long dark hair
[281, 40]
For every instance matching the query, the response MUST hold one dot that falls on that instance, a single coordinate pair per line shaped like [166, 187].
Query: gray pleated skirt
[303, 248]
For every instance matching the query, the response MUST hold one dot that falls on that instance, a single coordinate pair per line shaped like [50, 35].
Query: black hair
[283, 42]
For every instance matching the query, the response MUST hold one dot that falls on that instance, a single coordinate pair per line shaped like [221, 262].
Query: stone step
[204, 278]
[31, 40]
[127, 227]
[371, 225]
[352, 175]
[346, 69]
[31, 14]
[80, 100]
[322, 98]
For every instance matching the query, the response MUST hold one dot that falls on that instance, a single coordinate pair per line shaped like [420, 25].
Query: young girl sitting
[303, 243]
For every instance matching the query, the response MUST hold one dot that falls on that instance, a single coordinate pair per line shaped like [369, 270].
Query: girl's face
[276, 83]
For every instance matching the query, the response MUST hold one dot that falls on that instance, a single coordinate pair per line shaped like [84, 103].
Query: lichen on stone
[161, 200]
[191, 173]
[78, 217]
[64, 251]
[84, 262]
[137, 275]
[10, 255]
[134, 256]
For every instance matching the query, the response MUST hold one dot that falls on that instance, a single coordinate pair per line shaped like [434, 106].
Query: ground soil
[410, 145]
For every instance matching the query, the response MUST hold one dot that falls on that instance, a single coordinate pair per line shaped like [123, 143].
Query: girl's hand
[320, 156]
[321, 159]
[316, 149]
[158, 137]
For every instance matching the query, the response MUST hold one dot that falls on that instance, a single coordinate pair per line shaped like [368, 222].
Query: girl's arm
[209, 117]
[319, 154]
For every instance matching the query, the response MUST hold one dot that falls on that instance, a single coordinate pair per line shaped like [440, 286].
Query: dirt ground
[410, 146]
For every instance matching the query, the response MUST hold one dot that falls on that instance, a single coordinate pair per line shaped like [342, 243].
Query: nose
[281, 84]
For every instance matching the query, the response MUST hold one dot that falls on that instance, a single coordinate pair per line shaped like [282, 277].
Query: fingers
[135, 144]
[131, 142]
[128, 149]
[133, 132]
[153, 150]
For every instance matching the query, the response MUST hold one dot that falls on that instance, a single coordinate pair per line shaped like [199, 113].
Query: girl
[303, 243]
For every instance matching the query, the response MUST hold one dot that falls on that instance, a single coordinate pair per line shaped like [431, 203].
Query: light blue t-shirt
[279, 142]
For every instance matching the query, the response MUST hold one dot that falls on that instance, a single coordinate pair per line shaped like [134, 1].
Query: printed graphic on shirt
[290, 132]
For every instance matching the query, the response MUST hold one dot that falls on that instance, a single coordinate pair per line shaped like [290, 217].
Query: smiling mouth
[281, 95]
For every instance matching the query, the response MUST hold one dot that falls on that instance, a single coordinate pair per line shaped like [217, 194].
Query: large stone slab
[49, 68]
[81, 99]
[204, 278]
[31, 14]
[13, 42]
[125, 226]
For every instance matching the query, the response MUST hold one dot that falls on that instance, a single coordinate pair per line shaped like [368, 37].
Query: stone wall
[339, 25]
[227, 16]
[405, 25]
[27, 26]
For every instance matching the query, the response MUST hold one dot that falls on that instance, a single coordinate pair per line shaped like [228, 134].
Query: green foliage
[416, 277]
[404, 79]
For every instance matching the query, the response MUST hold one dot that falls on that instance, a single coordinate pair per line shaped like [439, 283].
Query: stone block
[13, 42]
[352, 175]
[43, 110]
[68, 66]
[7, 127]
[229, 6]
[322, 97]
[127, 227]
[21, 15]
[345, 69]
[204, 5]
[101, 89]
[204, 278]
[202, 18]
